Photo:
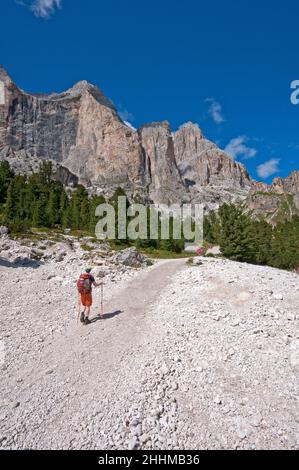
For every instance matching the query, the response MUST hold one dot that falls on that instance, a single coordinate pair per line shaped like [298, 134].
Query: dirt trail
[198, 357]
[83, 366]
[105, 342]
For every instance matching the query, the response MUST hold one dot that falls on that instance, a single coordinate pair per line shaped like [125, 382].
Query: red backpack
[84, 284]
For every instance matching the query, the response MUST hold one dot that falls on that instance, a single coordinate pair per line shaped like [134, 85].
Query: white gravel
[198, 357]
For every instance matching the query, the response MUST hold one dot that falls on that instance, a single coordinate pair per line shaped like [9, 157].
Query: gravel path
[187, 357]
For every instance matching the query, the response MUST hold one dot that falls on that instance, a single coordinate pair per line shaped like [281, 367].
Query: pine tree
[53, 205]
[93, 219]
[80, 194]
[45, 173]
[285, 246]
[10, 212]
[212, 228]
[149, 242]
[119, 192]
[6, 176]
[262, 236]
[40, 216]
[236, 240]
[65, 210]
[14, 213]
[170, 244]
[85, 214]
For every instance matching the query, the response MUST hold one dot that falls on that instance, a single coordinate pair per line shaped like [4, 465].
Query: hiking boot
[82, 317]
[87, 321]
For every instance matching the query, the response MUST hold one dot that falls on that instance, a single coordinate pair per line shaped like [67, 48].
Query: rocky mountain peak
[83, 87]
[156, 125]
[4, 75]
[81, 131]
[289, 185]
[6, 81]
[190, 128]
[279, 185]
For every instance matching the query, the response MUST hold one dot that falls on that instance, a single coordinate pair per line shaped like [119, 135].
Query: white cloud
[125, 115]
[268, 168]
[237, 148]
[127, 123]
[45, 8]
[215, 111]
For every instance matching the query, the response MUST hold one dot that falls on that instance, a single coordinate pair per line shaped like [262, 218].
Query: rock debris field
[188, 356]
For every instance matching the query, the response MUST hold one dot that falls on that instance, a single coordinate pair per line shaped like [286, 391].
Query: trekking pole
[79, 309]
[102, 300]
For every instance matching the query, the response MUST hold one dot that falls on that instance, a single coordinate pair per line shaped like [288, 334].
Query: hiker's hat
[88, 269]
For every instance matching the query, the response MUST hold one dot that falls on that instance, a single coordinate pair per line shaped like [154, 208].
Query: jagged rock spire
[4, 77]
[81, 130]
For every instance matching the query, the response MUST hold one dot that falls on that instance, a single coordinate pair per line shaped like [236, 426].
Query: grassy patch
[81, 234]
[265, 193]
[87, 247]
[46, 230]
[116, 246]
[38, 235]
[163, 254]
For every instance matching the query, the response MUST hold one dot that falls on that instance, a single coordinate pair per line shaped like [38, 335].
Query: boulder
[3, 230]
[213, 250]
[57, 252]
[102, 272]
[191, 248]
[130, 257]
[197, 261]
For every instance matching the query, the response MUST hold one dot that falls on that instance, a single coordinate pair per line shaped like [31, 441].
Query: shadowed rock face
[277, 201]
[79, 129]
[288, 185]
[40, 127]
[166, 184]
[202, 162]
[82, 133]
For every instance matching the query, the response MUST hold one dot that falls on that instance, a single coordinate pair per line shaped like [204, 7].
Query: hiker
[84, 285]
[199, 251]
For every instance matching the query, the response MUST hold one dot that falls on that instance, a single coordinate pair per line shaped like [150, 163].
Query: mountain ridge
[81, 131]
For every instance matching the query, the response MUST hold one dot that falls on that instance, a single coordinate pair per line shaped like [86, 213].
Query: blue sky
[225, 65]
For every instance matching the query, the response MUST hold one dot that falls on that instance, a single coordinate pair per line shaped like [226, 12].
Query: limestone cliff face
[81, 132]
[202, 163]
[276, 201]
[288, 185]
[36, 127]
[166, 184]
[105, 151]
[78, 129]
[211, 175]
